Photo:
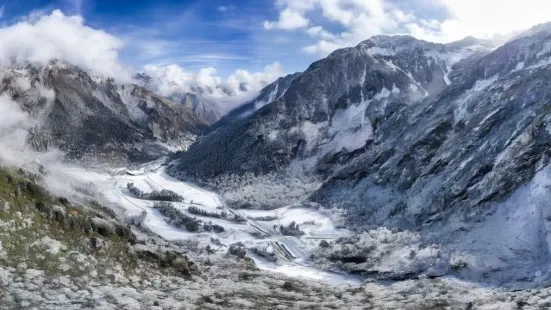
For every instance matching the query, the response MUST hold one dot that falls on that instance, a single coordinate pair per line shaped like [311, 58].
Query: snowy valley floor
[292, 252]
[45, 267]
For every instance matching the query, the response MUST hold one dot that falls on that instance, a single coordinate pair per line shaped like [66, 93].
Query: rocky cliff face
[477, 153]
[93, 117]
[449, 140]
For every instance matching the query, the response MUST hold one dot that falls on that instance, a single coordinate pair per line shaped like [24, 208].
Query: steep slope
[329, 111]
[268, 94]
[56, 254]
[205, 110]
[93, 117]
[464, 159]
[483, 136]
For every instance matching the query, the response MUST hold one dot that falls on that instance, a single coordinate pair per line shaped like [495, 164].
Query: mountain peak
[390, 45]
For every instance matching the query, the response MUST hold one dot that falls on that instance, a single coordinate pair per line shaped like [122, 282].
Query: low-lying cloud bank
[59, 177]
[14, 125]
[41, 38]
[238, 88]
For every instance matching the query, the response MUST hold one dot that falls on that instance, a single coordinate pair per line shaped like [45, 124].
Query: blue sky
[194, 34]
[222, 44]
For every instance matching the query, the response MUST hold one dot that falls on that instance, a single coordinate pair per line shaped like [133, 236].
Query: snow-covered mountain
[468, 167]
[268, 94]
[449, 140]
[94, 117]
[321, 114]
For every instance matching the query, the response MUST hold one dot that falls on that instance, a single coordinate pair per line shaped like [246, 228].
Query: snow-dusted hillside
[269, 94]
[411, 135]
[94, 117]
[330, 111]
[252, 229]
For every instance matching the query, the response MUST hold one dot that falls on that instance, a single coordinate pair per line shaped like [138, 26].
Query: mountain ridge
[268, 94]
[90, 116]
[432, 77]
[415, 136]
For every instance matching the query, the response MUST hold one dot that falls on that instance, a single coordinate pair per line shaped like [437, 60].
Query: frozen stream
[292, 252]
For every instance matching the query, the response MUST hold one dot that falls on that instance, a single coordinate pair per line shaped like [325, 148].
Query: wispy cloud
[75, 6]
[225, 8]
[188, 53]
[201, 58]
[333, 24]
[194, 39]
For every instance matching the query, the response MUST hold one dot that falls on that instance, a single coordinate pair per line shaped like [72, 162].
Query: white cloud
[239, 87]
[361, 19]
[11, 115]
[40, 38]
[319, 32]
[225, 8]
[485, 18]
[14, 124]
[289, 19]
